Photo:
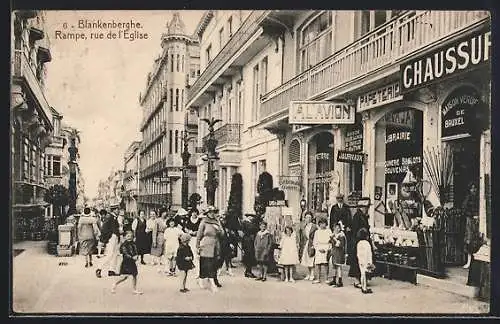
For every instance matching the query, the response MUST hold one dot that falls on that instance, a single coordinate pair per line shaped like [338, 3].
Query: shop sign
[401, 119]
[400, 165]
[321, 112]
[456, 112]
[460, 56]
[323, 156]
[382, 96]
[300, 128]
[278, 203]
[354, 140]
[290, 182]
[350, 157]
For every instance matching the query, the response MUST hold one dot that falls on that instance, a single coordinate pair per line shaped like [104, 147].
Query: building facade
[345, 102]
[165, 120]
[131, 177]
[31, 121]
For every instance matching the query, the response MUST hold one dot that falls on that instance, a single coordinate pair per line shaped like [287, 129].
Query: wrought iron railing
[226, 134]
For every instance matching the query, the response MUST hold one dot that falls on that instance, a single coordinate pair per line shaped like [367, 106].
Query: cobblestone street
[51, 288]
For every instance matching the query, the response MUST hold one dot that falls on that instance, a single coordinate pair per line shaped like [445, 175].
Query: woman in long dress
[142, 239]
[191, 227]
[159, 240]
[307, 234]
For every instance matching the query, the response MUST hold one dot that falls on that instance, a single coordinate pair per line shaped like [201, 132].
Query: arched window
[315, 42]
[294, 152]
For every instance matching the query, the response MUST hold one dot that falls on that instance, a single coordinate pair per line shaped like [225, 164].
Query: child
[338, 254]
[322, 245]
[289, 255]
[263, 244]
[365, 261]
[128, 267]
[171, 235]
[184, 259]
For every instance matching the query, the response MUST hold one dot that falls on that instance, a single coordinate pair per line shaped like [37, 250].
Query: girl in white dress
[322, 246]
[289, 255]
[365, 258]
[308, 249]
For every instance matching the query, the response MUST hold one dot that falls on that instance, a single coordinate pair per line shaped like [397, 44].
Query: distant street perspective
[251, 161]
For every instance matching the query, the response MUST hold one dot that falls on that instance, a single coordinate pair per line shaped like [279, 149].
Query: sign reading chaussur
[459, 56]
[321, 112]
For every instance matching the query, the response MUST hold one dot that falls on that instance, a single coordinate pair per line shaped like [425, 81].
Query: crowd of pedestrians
[188, 241]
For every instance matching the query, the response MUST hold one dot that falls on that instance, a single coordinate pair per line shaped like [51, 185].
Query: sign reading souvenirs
[459, 56]
[400, 165]
[350, 157]
[379, 97]
[321, 112]
[457, 111]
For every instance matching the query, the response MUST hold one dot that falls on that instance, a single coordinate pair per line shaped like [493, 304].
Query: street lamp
[212, 156]
[185, 170]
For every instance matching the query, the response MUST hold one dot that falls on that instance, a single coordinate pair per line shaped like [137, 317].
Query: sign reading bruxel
[459, 56]
[458, 111]
[321, 112]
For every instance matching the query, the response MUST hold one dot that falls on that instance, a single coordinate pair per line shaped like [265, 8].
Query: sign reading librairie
[459, 56]
[321, 112]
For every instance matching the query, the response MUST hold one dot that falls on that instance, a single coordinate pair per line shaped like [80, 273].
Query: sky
[95, 83]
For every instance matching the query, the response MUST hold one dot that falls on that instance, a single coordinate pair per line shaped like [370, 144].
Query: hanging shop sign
[460, 56]
[382, 96]
[353, 140]
[350, 157]
[321, 112]
[457, 111]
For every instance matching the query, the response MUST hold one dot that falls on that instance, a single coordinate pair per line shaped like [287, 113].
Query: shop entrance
[465, 166]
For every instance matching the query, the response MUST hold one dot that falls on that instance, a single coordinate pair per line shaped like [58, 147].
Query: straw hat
[182, 212]
[185, 237]
[210, 209]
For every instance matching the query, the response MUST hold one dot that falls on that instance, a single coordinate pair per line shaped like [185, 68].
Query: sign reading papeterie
[459, 56]
[382, 96]
[321, 112]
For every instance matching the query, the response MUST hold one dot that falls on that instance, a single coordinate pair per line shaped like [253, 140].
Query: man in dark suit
[340, 212]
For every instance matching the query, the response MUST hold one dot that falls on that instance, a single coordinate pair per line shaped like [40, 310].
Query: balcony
[22, 70]
[154, 168]
[385, 46]
[158, 199]
[227, 134]
[155, 136]
[219, 67]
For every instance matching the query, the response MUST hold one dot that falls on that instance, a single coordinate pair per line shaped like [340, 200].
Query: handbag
[370, 268]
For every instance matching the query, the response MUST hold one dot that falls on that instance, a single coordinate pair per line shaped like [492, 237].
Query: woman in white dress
[307, 248]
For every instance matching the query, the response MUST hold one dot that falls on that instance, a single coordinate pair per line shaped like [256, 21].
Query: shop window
[294, 152]
[398, 165]
[320, 170]
[315, 40]
[355, 177]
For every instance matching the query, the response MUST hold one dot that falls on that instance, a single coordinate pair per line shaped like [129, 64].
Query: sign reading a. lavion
[321, 112]
[460, 56]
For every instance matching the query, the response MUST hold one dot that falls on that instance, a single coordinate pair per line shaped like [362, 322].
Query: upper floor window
[171, 99]
[182, 63]
[208, 53]
[371, 19]
[171, 62]
[170, 142]
[315, 42]
[176, 99]
[178, 63]
[176, 141]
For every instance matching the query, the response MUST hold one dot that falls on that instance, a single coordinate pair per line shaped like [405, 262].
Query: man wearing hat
[340, 212]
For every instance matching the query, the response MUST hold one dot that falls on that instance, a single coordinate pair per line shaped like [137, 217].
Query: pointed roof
[176, 25]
